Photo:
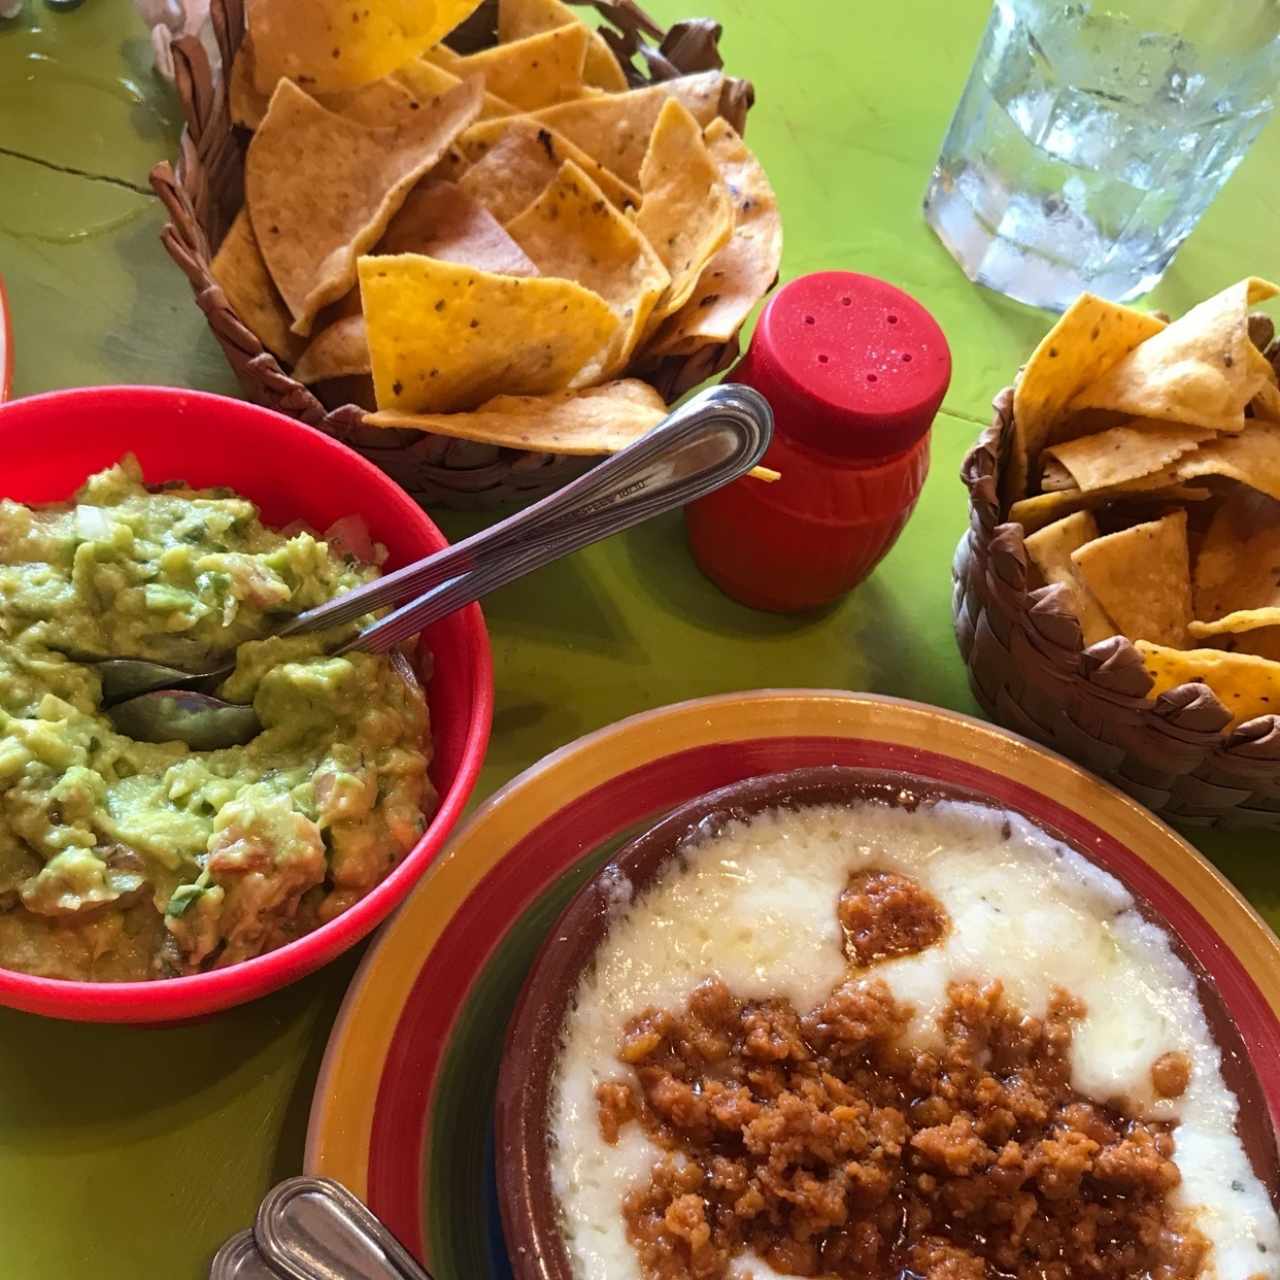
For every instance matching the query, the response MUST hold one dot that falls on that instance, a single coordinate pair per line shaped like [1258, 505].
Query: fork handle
[730, 421]
[714, 438]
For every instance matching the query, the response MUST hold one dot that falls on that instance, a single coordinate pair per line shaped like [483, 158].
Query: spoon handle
[315, 1229]
[716, 437]
[693, 450]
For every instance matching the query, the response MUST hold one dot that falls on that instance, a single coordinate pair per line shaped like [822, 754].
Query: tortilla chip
[537, 71]
[513, 161]
[1246, 685]
[238, 267]
[1238, 566]
[1263, 643]
[1142, 578]
[446, 338]
[321, 189]
[248, 106]
[685, 211]
[595, 421]
[439, 221]
[745, 269]
[1044, 508]
[329, 45]
[425, 80]
[340, 350]
[520, 18]
[1266, 404]
[444, 60]
[1257, 354]
[1054, 477]
[442, 56]
[1139, 448]
[572, 231]
[1050, 550]
[347, 305]
[1092, 336]
[614, 128]
[385, 103]
[393, 100]
[1242, 620]
[1198, 371]
[382, 104]
[1252, 457]
[339, 392]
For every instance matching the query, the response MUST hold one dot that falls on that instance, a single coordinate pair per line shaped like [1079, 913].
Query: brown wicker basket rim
[202, 191]
[1113, 668]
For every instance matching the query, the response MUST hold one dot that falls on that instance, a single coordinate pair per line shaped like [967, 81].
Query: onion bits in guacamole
[122, 860]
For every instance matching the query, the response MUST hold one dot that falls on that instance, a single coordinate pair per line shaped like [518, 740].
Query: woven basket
[204, 189]
[1030, 671]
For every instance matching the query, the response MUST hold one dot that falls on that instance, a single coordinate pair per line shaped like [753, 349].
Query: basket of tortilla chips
[1118, 591]
[480, 242]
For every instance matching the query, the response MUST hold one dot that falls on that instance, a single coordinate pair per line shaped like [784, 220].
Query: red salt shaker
[855, 370]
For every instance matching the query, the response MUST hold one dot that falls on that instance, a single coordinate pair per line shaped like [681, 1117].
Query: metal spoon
[314, 1229]
[203, 722]
[716, 437]
[726, 418]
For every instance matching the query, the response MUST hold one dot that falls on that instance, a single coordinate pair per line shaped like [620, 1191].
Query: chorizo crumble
[884, 914]
[816, 1142]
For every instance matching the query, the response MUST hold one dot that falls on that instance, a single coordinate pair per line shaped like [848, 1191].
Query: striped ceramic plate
[403, 1109]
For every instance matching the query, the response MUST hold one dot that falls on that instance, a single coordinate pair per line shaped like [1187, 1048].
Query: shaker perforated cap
[851, 365]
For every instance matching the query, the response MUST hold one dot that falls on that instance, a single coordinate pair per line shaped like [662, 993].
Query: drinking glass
[1092, 137]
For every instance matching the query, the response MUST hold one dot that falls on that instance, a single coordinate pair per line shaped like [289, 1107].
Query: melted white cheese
[756, 907]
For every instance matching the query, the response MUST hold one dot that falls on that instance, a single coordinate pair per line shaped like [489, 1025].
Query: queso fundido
[125, 861]
[882, 1039]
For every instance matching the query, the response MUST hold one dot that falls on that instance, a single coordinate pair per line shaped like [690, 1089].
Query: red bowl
[51, 443]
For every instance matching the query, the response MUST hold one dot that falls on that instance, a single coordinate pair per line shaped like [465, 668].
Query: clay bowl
[527, 1200]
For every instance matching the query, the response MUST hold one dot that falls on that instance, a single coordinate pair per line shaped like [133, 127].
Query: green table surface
[133, 1153]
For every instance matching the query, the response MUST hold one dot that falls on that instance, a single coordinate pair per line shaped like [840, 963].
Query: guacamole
[124, 860]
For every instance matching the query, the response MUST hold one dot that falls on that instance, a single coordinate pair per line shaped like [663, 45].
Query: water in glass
[1092, 137]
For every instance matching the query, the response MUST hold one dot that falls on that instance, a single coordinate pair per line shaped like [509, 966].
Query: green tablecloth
[127, 1153]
